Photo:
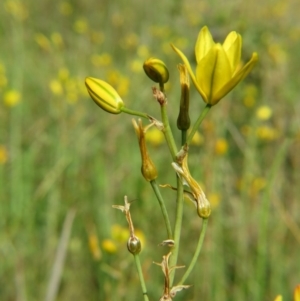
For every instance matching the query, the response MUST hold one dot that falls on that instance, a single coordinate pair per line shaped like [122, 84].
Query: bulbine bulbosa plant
[219, 69]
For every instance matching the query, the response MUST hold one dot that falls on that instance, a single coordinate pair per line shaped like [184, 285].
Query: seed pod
[134, 245]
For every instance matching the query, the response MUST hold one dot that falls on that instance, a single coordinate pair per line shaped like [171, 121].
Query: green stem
[183, 137]
[197, 252]
[177, 230]
[168, 132]
[142, 281]
[163, 208]
[136, 113]
[197, 123]
[261, 270]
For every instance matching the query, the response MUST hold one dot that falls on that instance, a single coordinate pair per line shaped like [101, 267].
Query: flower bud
[104, 95]
[134, 245]
[183, 120]
[156, 70]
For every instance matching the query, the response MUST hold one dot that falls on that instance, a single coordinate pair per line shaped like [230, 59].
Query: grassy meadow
[64, 162]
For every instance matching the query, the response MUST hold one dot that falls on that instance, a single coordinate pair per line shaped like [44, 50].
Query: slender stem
[140, 272]
[183, 136]
[197, 123]
[197, 252]
[167, 131]
[136, 113]
[177, 230]
[163, 208]
[262, 246]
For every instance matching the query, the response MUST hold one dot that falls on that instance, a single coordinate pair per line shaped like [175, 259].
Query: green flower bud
[183, 120]
[134, 245]
[156, 70]
[104, 95]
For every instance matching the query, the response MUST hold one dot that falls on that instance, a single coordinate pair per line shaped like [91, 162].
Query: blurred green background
[64, 162]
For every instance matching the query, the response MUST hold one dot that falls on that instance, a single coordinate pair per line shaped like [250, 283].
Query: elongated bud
[156, 70]
[104, 95]
[148, 169]
[183, 120]
[134, 245]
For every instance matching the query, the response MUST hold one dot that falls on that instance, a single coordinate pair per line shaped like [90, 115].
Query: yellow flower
[221, 146]
[56, 87]
[3, 155]
[109, 246]
[104, 95]
[264, 113]
[219, 67]
[12, 98]
[297, 293]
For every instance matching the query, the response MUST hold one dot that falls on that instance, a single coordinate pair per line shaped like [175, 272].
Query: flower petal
[297, 293]
[233, 48]
[192, 75]
[205, 73]
[239, 76]
[204, 43]
[222, 72]
[213, 72]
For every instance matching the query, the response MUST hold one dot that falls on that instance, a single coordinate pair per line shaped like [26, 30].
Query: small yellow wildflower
[119, 234]
[42, 41]
[17, 9]
[94, 246]
[109, 246]
[267, 133]
[198, 139]
[264, 113]
[221, 146]
[12, 98]
[56, 87]
[3, 154]
[155, 136]
[278, 298]
[81, 26]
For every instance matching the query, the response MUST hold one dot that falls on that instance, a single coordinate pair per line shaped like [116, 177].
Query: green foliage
[60, 154]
